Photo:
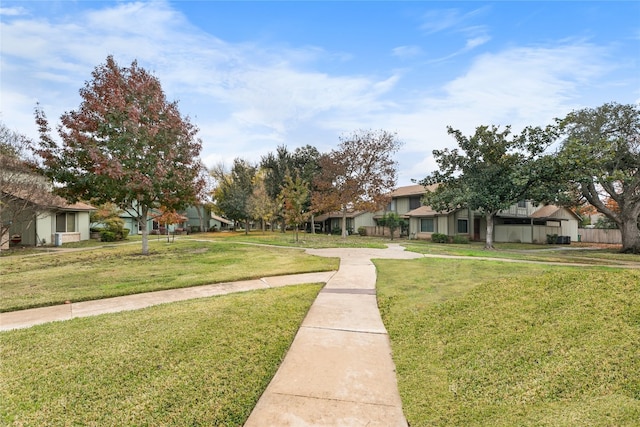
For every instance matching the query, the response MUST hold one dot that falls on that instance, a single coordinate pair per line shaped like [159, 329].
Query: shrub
[336, 231]
[362, 231]
[461, 240]
[107, 236]
[439, 238]
[552, 239]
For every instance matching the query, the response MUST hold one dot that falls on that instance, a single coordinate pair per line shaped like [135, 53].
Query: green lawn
[202, 362]
[485, 343]
[305, 240]
[476, 343]
[113, 270]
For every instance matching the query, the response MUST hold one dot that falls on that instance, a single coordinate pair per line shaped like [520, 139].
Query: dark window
[415, 202]
[522, 204]
[463, 226]
[65, 222]
[427, 225]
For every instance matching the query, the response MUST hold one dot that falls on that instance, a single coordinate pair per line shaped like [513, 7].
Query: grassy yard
[200, 362]
[485, 343]
[475, 342]
[305, 240]
[113, 270]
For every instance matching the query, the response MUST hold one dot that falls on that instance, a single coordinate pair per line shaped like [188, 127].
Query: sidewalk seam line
[345, 330]
[386, 405]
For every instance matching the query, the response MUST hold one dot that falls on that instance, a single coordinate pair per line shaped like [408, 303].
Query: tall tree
[305, 165]
[277, 166]
[261, 206]
[600, 156]
[125, 144]
[490, 171]
[295, 195]
[359, 175]
[234, 190]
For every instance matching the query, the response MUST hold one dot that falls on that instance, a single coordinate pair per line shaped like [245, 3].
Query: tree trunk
[344, 223]
[630, 232]
[313, 224]
[246, 226]
[489, 239]
[143, 228]
[199, 209]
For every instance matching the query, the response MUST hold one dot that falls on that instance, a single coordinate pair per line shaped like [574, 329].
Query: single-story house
[191, 221]
[333, 221]
[210, 220]
[43, 222]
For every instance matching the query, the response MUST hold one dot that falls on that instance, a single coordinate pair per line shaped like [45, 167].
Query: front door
[476, 229]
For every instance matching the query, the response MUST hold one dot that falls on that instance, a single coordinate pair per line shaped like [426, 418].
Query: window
[463, 226]
[414, 202]
[522, 204]
[427, 225]
[65, 222]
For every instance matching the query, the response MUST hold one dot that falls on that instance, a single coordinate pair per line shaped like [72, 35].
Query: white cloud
[249, 98]
[12, 11]
[405, 52]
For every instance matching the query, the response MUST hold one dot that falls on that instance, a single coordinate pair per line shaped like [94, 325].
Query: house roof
[425, 211]
[545, 211]
[50, 201]
[222, 220]
[411, 190]
[338, 214]
[549, 211]
[76, 206]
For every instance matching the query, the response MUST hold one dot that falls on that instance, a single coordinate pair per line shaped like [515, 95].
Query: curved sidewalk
[338, 370]
[35, 316]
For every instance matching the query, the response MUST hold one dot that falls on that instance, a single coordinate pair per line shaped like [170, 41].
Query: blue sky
[255, 75]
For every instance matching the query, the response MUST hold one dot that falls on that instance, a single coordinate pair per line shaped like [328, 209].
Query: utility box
[57, 241]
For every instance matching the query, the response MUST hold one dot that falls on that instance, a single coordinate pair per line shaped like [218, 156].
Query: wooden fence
[380, 231]
[600, 235]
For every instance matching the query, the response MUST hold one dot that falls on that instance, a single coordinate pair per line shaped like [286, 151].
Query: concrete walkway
[339, 370]
[36, 316]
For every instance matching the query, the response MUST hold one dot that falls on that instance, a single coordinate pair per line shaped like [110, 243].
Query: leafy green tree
[295, 196]
[359, 175]
[302, 163]
[490, 171]
[111, 226]
[125, 144]
[393, 221]
[600, 158]
[305, 166]
[234, 190]
[261, 206]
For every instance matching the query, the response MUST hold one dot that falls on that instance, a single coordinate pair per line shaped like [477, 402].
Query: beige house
[37, 223]
[333, 221]
[523, 222]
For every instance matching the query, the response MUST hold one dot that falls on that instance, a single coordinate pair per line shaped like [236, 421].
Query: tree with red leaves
[126, 144]
[359, 175]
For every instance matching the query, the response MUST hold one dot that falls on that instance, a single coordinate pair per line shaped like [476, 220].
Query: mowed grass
[195, 363]
[113, 270]
[579, 253]
[305, 240]
[487, 343]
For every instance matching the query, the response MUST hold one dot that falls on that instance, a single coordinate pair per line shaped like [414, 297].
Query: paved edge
[35, 316]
